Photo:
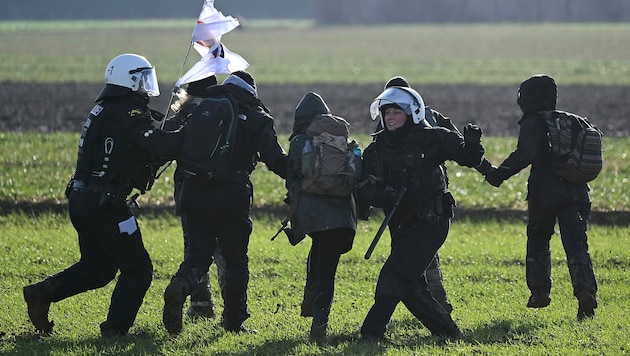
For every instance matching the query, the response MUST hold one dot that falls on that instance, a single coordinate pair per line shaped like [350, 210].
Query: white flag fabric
[212, 24]
[218, 60]
[206, 40]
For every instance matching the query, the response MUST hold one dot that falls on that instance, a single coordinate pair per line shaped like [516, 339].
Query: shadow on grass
[610, 218]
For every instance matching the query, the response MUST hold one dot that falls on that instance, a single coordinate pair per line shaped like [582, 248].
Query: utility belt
[110, 195]
[428, 211]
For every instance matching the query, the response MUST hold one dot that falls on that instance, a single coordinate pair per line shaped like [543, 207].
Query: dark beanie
[538, 93]
[246, 77]
[397, 81]
[198, 87]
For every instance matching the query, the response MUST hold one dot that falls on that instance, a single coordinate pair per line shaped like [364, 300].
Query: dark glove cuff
[485, 167]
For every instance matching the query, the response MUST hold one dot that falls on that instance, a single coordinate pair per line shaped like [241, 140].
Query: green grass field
[37, 166]
[483, 261]
[299, 53]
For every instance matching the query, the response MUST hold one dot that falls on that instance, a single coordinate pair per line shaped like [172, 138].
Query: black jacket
[120, 146]
[413, 157]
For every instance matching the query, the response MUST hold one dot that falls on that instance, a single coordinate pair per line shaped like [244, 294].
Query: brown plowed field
[63, 107]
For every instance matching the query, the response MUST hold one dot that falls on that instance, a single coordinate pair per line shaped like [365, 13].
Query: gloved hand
[156, 115]
[493, 178]
[485, 167]
[472, 133]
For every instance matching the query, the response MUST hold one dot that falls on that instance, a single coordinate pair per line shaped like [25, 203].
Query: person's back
[217, 211]
[549, 198]
[330, 220]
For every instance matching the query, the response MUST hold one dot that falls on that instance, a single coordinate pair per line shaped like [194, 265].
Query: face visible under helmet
[133, 72]
[406, 98]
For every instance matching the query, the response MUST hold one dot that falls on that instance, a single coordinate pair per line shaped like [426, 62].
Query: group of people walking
[123, 143]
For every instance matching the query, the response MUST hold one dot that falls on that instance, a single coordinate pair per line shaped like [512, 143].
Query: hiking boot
[586, 305]
[306, 308]
[38, 304]
[318, 332]
[174, 298]
[237, 328]
[369, 338]
[203, 310]
[538, 300]
[111, 331]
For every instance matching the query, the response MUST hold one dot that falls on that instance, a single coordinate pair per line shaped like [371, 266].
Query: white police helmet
[134, 72]
[406, 98]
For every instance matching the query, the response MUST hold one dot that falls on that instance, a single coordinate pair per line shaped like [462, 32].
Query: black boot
[306, 308]
[201, 303]
[538, 300]
[586, 305]
[174, 298]
[318, 332]
[237, 327]
[38, 302]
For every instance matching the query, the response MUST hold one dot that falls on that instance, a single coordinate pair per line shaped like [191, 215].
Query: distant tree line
[330, 11]
[379, 11]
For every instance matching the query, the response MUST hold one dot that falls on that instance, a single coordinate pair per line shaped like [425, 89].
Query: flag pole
[170, 101]
[181, 71]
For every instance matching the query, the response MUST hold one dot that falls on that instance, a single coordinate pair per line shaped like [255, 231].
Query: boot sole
[172, 313]
[35, 311]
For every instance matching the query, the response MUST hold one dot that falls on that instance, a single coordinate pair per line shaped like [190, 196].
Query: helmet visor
[148, 82]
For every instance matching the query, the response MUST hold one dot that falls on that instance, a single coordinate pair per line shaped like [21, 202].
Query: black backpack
[576, 146]
[208, 139]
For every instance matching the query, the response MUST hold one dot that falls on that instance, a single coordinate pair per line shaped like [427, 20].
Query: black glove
[472, 133]
[156, 115]
[493, 178]
[485, 167]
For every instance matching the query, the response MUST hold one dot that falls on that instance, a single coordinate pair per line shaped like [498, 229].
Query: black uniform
[549, 198]
[201, 302]
[119, 150]
[219, 211]
[412, 157]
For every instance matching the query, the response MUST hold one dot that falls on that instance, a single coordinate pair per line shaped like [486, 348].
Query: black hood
[311, 105]
[537, 93]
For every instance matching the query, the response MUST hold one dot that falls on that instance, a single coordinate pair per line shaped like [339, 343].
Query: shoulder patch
[96, 110]
[135, 112]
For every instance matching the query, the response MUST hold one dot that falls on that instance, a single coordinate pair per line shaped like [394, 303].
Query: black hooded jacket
[536, 94]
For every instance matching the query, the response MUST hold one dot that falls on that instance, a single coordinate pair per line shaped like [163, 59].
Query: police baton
[381, 229]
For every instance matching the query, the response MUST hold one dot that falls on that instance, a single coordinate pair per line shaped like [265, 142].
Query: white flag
[206, 40]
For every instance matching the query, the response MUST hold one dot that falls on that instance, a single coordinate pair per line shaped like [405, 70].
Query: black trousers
[323, 259]
[220, 217]
[402, 278]
[104, 251]
[570, 206]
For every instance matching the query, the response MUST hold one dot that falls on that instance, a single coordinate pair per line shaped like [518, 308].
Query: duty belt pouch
[69, 188]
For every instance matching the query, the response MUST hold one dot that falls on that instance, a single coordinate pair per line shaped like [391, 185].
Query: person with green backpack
[322, 205]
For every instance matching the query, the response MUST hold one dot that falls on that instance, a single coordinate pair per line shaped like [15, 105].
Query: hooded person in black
[201, 301]
[549, 198]
[330, 221]
[217, 211]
